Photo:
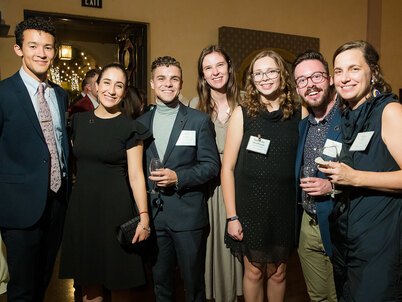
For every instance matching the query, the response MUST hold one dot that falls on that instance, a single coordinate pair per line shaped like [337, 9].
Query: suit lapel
[151, 151]
[335, 128]
[303, 127]
[25, 101]
[178, 125]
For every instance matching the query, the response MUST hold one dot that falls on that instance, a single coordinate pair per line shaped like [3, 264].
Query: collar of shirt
[93, 100]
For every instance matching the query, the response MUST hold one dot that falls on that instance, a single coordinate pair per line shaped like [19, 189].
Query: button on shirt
[32, 86]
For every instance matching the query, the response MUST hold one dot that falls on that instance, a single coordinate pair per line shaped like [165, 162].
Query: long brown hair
[206, 104]
[252, 99]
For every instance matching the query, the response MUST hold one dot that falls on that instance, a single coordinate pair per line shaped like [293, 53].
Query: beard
[318, 103]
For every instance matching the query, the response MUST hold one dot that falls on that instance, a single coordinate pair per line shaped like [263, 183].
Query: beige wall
[391, 43]
[182, 28]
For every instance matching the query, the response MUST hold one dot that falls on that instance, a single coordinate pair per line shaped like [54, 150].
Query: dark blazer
[325, 205]
[185, 207]
[82, 105]
[24, 155]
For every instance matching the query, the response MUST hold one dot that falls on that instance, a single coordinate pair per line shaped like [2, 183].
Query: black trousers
[31, 252]
[187, 249]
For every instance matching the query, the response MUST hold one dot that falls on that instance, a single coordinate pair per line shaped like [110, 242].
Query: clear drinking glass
[330, 154]
[308, 201]
[155, 165]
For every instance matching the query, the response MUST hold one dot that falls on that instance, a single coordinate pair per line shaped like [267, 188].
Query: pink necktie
[46, 123]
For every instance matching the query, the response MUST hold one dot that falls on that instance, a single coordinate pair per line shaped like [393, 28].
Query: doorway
[92, 43]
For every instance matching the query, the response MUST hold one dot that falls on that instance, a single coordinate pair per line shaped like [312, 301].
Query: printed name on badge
[186, 138]
[258, 144]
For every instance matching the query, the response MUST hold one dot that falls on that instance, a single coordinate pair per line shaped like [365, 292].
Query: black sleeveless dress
[101, 200]
[265, 190]
[367, 224]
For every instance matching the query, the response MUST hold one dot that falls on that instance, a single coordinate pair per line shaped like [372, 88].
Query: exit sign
[92, 3]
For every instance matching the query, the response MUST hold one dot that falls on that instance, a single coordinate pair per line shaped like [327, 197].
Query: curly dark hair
[205, 103]
[37, 23]
[287, 102]
[165, 61]
[372, 59]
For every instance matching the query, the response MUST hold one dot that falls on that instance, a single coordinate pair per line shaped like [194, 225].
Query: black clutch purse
[126, 231]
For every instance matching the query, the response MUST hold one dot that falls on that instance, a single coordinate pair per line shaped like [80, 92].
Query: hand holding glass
[155, 165]
[329, 154]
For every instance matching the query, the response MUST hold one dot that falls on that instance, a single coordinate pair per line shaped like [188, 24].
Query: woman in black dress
[258, 179]
[108, 150]
[367, 230]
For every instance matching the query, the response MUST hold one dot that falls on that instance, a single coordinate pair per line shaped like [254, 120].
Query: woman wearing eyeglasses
[258, 177]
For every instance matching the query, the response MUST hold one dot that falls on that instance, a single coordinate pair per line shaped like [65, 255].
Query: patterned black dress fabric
[265, 190]
[367, 226]
[101, 200]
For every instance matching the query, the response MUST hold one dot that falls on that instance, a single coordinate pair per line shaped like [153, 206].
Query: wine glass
[308, 200]
[330, 154]
[155, 165]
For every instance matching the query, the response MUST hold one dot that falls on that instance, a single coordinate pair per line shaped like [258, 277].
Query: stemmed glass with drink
[328, 154]
[308, 200]
[154, 165]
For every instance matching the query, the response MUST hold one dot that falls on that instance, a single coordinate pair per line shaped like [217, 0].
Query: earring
[372, 81]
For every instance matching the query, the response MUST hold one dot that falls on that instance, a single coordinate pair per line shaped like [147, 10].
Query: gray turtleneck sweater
[162, 126]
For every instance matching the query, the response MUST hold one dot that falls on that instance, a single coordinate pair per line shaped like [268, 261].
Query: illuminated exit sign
[92, 3]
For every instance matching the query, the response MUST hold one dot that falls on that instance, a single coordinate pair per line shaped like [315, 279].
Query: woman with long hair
[218, 95]
[367, 227]
[258, 178]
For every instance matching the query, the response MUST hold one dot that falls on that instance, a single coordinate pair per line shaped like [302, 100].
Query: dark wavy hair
[206, 104]
[165, 61]
[37, 23]
[372, 59]
[133, 103]
[252, 100]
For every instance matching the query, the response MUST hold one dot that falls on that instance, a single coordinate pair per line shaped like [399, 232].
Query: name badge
[331, 151]
[361, 141]
[186, 138]
[258, 144]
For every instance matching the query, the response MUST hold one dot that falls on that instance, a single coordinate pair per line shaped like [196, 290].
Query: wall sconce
[65, 52]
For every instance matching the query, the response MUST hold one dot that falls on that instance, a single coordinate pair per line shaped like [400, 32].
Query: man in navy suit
[321, 127]
[184, 140]
[31, 213]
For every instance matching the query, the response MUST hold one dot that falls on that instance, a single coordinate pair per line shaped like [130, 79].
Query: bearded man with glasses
[320, 128]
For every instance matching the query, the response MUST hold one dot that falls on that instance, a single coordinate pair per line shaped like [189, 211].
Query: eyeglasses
[317, 78]
[271, 74]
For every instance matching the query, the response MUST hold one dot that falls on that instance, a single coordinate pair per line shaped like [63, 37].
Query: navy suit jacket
[325, 205]
[24, 155]
[185, 207]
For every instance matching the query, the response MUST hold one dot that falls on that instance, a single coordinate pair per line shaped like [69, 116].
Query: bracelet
[233, 218]
[144, 212]
[148, 229]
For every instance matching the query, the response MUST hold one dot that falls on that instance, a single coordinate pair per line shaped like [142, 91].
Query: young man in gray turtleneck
[184, 140]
